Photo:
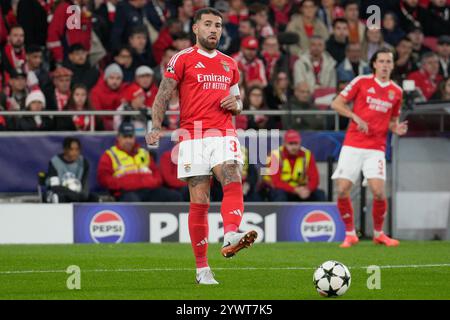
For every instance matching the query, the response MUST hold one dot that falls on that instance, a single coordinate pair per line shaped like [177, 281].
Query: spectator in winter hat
[107, 93]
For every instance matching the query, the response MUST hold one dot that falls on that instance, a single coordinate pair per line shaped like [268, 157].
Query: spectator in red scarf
[58, 93]
[238, 11]
[280, 12]
[78, 101]
[259, 13]
[13, 55]
[273, 58]
[248, 62]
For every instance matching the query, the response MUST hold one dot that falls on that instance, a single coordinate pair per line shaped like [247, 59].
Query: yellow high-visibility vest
[294, 176]
[124, 164]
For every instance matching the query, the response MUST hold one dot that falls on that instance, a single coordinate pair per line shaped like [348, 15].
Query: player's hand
[153, 136]
[229, 103]
[362, 125]
[401, 128]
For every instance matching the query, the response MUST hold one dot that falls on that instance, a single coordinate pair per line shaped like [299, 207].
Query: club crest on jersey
[225, 65]
[170, 69]
[391, 94]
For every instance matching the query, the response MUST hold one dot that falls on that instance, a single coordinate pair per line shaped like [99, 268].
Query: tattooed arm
[166, 88]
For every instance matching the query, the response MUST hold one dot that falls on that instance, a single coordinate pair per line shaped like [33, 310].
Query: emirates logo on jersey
[214, 81]
[378, 104]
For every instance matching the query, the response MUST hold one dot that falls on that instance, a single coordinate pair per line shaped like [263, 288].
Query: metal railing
[93, 113]
[441, 109]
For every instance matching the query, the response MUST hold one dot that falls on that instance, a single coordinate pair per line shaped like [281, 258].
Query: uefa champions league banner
[156, 223]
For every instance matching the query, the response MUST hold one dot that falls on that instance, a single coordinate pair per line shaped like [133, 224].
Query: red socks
[198, 231]
[232, 206]
[378, 213]
[232, 210]
[346, 210]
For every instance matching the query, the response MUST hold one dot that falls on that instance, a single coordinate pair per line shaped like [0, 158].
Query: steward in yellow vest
[294, 174]
[129, 172]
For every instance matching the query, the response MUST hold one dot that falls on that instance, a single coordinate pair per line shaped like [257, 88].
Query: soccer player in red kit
[207, 82]
[376, 109]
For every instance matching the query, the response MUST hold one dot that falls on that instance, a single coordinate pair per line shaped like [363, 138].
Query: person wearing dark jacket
[124, 58]
[158, 11]
[34, 64]
[35, 102]
[438, 23]
[32, 16]
[78, 63]
[128, 15]
[103, 20]
[392, 33]
[130, 173]
[67, 176]
[411, 15]
[338, 40]
[139, 43]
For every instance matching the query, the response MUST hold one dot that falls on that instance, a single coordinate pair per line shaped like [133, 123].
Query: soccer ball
[332, 279]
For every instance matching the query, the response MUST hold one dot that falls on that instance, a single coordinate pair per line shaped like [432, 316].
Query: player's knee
[231, 172]
[202, 198]
[343, 192]
[379, 194]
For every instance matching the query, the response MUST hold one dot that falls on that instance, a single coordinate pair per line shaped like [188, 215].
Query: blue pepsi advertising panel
[165, 222]
[310, 223]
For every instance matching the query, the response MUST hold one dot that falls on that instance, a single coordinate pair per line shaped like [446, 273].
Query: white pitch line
[415, 266]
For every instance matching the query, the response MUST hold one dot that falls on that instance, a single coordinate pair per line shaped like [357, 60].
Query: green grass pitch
[415, 270]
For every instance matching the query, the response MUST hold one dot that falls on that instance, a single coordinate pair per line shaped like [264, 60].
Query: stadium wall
[161, 222]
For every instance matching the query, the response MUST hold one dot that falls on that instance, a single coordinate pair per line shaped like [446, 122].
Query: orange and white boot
[350, 240]
[385, 240]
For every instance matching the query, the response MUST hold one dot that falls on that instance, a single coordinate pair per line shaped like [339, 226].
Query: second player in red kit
[376, 109]
[207, 83]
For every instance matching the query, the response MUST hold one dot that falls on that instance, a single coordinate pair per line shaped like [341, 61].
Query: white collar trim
[206, 54]
[382, 84]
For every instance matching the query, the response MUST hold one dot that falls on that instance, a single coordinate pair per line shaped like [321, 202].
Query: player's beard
[207, 45]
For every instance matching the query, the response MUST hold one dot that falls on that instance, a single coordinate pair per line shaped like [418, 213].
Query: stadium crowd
[293, 55]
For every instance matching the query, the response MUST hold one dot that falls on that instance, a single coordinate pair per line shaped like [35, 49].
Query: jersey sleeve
[236, 75]
[175, 68]
[351, 89]
[397, 106]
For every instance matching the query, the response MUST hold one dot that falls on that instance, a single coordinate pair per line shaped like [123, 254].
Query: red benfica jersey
[204, 79]
[376, 103]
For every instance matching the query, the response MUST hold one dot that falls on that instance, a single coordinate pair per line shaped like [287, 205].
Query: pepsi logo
[107, 227]
[318, 226]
